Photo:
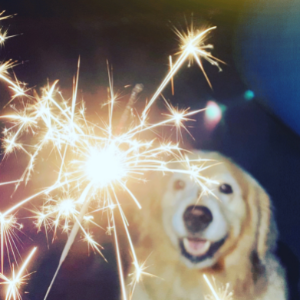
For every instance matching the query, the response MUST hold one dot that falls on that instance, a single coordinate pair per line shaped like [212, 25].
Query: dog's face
[205, 227]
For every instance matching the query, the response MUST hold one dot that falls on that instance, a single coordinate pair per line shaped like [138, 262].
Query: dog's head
[206, 228]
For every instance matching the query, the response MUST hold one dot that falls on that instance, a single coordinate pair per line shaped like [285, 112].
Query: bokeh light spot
[249, 95]
[213, 115]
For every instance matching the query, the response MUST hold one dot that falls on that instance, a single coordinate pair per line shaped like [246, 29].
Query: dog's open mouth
[197, 250]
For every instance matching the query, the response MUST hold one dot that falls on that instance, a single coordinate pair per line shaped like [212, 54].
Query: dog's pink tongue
[196, 247]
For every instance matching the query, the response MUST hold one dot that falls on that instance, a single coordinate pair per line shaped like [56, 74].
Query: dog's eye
[179, 185]
[225, 188]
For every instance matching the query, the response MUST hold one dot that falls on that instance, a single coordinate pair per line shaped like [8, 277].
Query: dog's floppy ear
[260, 217]
[266, 230]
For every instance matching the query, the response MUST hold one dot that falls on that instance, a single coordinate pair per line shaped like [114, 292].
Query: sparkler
[95, 161]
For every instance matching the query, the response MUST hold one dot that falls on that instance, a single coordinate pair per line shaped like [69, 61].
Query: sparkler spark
[220, 292]
[95, 161]
[139, 273]
[17, 280]
[191, 47]
[9, 227]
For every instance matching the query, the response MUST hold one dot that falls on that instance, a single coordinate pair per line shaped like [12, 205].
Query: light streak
[95, 162]
[9, 227]
[10, 182]
[211, 287]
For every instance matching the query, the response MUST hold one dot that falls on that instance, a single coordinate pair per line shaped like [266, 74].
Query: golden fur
[245, 260]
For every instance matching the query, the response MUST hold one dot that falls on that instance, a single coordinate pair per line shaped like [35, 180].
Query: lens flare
[213, 115]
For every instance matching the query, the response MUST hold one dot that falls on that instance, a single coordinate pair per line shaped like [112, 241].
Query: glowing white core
[104, 166]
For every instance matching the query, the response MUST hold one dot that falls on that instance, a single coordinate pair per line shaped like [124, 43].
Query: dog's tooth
[207, 245]
[186, 243]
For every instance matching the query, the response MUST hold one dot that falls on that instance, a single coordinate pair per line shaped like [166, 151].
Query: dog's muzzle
[196, 219]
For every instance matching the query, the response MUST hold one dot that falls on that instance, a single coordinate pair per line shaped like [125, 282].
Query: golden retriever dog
[229, 236]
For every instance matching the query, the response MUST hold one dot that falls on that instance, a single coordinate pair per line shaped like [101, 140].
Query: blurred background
[253, 113]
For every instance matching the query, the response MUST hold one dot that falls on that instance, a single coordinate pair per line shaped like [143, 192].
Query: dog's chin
[197, 250]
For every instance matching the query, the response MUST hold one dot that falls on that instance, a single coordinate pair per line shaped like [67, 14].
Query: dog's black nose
[197, 218]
